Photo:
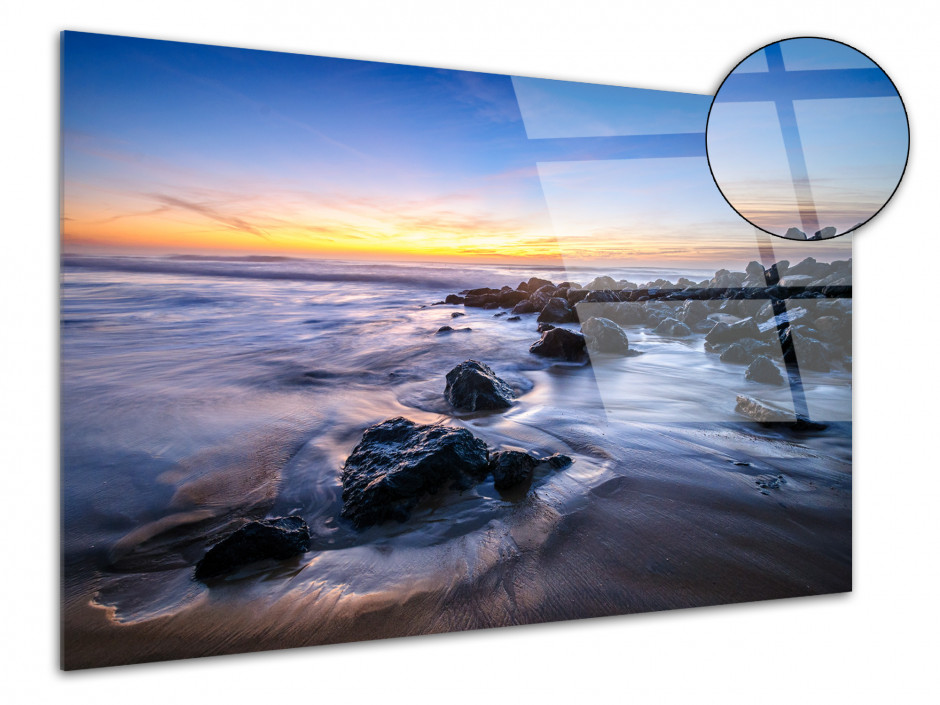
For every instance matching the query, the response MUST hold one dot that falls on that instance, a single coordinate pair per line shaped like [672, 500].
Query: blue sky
[183, 147]
[848, 136]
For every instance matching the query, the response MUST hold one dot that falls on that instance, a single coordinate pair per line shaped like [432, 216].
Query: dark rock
[754, 271]
[576, 295]
[621, 313]
[569, 285]
[510, 298]
[499, 315]
[480, 301]
[544, 327]
[833, 329]
[277, 539]
[795, 234]
[810, 353]
[824, 233]
[540, 299]
[605, 336]
[524, 307]
[556, 461]
[444, 329]
[694, 311]
[482, 291]
[557, 311]
[731, 333]
[514, 318]
[453, 299]
[534, 284]
[744, 351]
[457, 314]
[473, 386]
[398, 462]
[672, 328]
[809, 266]
[768, 415]
[448, 329]
[601, 296]
[560, 343]
[765, 371]
[776, 271]
[511, 468]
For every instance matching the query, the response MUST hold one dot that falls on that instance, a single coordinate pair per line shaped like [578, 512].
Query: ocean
[201, 392]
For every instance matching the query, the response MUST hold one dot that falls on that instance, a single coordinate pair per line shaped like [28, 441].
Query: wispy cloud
[230, 221]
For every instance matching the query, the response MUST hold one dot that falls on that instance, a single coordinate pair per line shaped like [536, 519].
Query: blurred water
[200, 392]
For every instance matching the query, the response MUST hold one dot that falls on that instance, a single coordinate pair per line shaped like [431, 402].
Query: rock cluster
[802, 310]
[398, 463]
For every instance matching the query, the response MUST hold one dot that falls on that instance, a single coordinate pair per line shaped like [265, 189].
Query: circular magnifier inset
[807, 138]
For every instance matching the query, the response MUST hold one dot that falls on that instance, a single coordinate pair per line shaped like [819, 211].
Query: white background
[880, 641]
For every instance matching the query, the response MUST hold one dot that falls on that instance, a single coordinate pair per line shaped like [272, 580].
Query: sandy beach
[195, 401]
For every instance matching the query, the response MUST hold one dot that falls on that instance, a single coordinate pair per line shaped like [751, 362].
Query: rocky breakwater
[799, 312]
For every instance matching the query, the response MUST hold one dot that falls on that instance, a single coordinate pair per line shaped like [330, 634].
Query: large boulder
[557, 311]
[601, 296]
[623, 313]
[560, 343]
[765, 371]
[731, 333]
[508, 299]
[809, 266]
[481, 300]
[523, 307]
[605, 336]
[810, 353]
[576, 295]
[277, 539]
[745, 351]
[694, 311]
[473, 386]
[795, 234]
[541, 297]
[534, 284]
[672, 328]
[755, 272]
[398, 462]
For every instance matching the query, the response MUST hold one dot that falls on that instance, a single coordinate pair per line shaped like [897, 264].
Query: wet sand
[671, 522]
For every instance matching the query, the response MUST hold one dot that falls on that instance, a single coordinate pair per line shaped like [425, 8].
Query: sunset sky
[172, 147]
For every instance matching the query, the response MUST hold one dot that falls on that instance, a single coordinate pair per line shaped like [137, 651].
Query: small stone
[277, 539]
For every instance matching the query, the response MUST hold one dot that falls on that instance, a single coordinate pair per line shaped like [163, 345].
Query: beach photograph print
[356, 350]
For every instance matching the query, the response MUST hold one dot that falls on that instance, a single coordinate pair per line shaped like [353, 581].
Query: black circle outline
[907, 156]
